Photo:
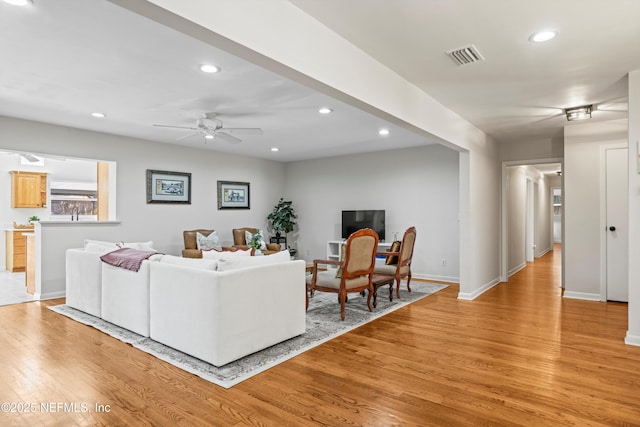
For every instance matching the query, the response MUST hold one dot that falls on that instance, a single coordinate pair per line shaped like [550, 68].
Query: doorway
[528, 213]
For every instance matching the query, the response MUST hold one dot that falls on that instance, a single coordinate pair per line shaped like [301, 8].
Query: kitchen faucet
[74, 209]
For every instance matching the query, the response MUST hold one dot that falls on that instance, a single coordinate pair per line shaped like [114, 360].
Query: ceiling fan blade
[187, 136]
[228, 138]
[246, 131]
[176, 127]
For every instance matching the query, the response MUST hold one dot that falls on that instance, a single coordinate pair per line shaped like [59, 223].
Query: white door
[617, 228]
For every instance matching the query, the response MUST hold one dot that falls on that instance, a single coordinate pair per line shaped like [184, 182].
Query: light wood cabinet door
[15, 250]
[28, 189]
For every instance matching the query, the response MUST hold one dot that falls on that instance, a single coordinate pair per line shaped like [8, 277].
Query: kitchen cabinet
[28, 189]
[15, 249]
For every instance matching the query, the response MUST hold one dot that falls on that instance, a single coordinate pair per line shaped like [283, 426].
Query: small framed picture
[168, 187]
[233, 195]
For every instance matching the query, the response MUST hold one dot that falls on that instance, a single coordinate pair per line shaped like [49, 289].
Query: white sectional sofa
[221, 316]
[125, 297]
[84, 281]
[218, 310]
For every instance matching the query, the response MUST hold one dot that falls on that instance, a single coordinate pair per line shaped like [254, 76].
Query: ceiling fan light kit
[579, 113]
[212, 128]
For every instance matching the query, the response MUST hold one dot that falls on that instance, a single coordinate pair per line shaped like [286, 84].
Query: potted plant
[282, 218]
[292, 252]
[256, 243]
[33, 219]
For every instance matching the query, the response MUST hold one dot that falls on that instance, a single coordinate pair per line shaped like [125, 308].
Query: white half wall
[139, 221]
[416, 187]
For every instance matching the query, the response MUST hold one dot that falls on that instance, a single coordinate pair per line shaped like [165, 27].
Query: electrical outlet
[444, 262]
[309, 252]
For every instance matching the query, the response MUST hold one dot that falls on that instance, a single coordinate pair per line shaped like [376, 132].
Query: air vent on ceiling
[465, 55]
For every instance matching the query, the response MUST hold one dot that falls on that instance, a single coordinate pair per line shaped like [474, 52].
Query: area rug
[323, 324]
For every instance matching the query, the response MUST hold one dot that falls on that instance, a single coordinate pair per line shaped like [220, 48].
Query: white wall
[516, 214]
[480, 184]
[532, 150]
[140, 221]
[543, 214]
[416, 187]
[633, 334]
[582, 201]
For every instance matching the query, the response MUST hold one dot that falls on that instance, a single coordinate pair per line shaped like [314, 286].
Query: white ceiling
[64, 59]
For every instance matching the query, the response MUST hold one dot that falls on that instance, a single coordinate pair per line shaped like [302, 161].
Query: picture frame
[233, 195]
[168, 187]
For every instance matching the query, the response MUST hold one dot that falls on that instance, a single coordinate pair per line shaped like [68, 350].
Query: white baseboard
[543, 253]
[436, 278]
[632, 339]
[516, 269]
[581, 295]
[475, 294]
[50, 295]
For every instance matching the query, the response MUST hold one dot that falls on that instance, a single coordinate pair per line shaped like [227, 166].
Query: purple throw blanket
[128, 258]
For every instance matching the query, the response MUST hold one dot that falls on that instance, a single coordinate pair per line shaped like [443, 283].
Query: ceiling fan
[212, 128]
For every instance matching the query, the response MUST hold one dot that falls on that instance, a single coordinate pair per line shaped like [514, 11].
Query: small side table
[282, 240]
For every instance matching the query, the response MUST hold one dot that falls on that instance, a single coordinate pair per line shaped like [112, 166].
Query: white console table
[334, 247]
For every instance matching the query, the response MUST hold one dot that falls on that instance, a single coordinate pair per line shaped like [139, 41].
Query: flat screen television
[355, 220]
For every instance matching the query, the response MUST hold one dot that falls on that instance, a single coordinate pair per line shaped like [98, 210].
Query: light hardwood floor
[518, 355]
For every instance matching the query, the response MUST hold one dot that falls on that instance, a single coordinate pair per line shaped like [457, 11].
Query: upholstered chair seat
[328, 279]
[390, 270]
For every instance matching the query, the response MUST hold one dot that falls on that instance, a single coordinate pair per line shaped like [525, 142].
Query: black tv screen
[355, 220]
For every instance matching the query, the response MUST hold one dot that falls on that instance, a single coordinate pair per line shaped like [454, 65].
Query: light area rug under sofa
[322, 324]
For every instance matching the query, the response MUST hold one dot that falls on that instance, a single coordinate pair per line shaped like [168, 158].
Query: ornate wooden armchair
[355, 272]
[402, 268]
[191, 244]
[240, 242]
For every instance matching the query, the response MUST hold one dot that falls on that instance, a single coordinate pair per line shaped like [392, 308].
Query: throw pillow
[216, 254]
[99, 245]
[141, 246]
[204, 264]
[226, 264]
[393, 259]
[248, 237]
[208, 242]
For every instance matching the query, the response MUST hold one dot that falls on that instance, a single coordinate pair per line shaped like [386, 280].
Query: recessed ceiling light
[542, 36]
[208, 136]
[383, 132]
[18, 2]
[275, 149]
[208, 68]
[325, 110]
[98, 115]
